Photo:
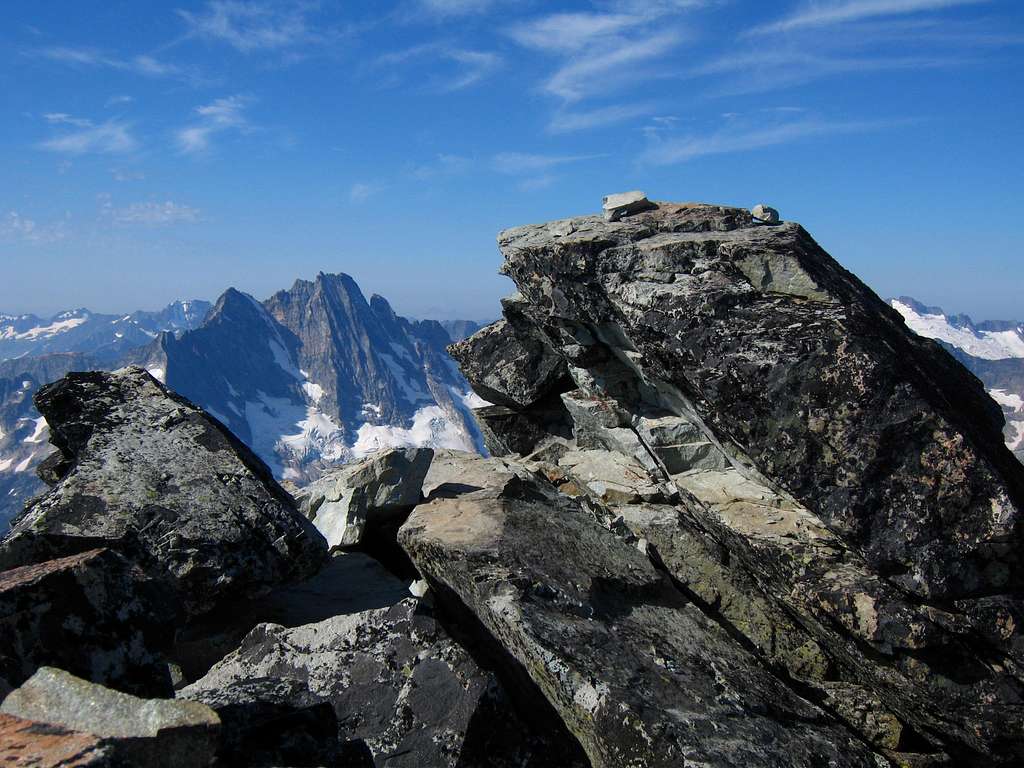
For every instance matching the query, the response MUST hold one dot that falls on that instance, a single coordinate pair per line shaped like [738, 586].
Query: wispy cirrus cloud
[16, 227]
[751, 136]
[522, 163]
[112, 137]
[62, 118]
[362, 191]
[469, 67]
[145, 65]
[599, 52]
[217, 117]
[267, 26]
[819, 14]
[152, 214]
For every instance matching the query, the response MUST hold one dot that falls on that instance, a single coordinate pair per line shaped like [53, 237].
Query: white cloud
[819, 14]
[155, 214]
[216, 117]
[744, 139]
[442, 165]
[147, 66]
[110, 138]
[471, 67]
[519, 163]
[598, 71]
[449, 8]
[114, 101]
[249, 27]
[569, 121]
[66, 119]
[360, 192]
[569, 32]
[14, 226]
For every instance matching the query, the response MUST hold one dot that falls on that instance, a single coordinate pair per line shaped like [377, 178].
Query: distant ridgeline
[316, 375]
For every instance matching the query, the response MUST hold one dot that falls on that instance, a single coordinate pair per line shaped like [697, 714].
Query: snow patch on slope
[988, 345]
[431, 427]
[1008, 399]
[43, 331]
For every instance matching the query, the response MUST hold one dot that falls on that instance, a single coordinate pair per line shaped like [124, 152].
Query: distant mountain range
[992, 350]
[315, 375]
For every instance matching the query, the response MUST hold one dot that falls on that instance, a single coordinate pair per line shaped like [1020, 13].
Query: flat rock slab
[639, 676]
[94, 614]
[147, 473]
[30, 744]
[151, 732]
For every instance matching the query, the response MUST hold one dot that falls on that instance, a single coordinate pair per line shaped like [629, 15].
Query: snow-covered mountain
[104, 336]
[993, 351]
[315, 375]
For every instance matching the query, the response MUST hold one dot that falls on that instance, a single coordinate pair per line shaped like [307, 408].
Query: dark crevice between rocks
[557, 746]
[380, 541]
[801, 689]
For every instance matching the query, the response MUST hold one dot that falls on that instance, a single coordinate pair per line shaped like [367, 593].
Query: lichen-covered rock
[844, 503]
[152, 732]
[395, 680]
[346, 501]
[30, 744]
[638, 675]
[148, 474]
[94, 614]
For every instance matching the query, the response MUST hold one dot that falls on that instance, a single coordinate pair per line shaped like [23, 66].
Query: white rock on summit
[624, 203]
[765, 213]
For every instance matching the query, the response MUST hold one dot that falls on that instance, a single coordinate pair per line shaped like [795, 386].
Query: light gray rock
[395, 679]
[151, 732]
[146, 473]
[640, 676]
[623, 204]
[765, 213]
[346, 501]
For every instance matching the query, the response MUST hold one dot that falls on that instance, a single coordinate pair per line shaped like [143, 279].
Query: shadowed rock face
[825, 485]
[93, 614]
[145, 472]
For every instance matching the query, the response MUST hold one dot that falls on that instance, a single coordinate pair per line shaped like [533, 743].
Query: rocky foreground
[735, 514]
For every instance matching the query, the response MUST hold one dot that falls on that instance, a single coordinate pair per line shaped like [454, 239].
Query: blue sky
[163, 150]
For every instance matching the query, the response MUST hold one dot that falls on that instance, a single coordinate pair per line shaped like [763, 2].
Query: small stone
[419, 588]
[765, 213]
[625, 204]
[152, 732]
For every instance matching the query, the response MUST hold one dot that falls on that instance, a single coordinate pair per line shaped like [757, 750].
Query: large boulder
[345, 502]
[145, 472]
[151, 732]
[395, 680]
[827, 486]
[94, 614]
[640, 677]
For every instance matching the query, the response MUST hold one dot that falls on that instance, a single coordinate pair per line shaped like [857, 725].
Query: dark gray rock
[273, 721]
[151, 732]
[93, 614]
[638, 675]
[395, 680]
[350, 583]
[346, 501]
[147, 473]
[844, 504]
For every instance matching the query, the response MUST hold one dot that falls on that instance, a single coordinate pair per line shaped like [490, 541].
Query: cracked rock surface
[828, 488]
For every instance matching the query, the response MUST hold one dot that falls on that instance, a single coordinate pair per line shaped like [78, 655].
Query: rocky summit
[735, 513]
